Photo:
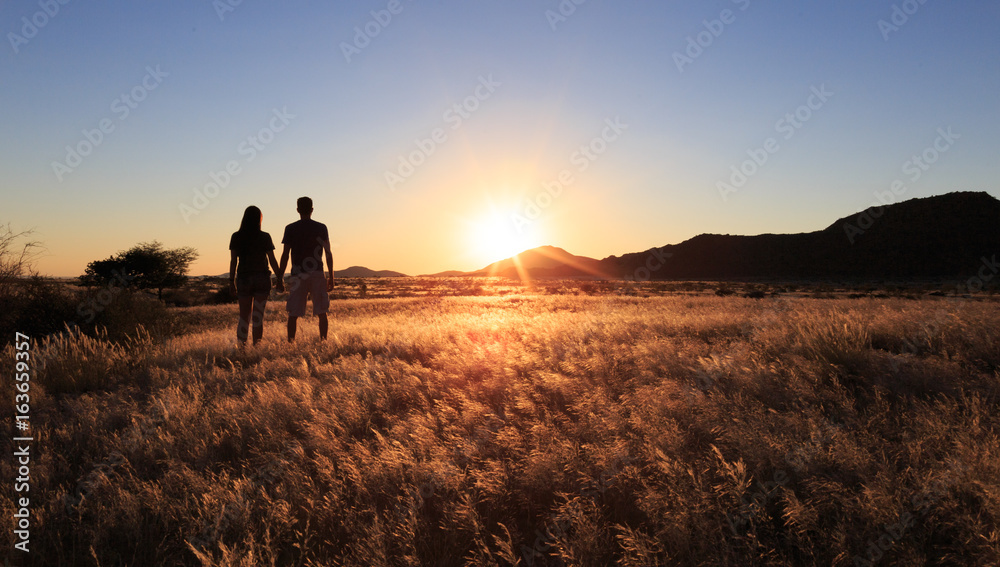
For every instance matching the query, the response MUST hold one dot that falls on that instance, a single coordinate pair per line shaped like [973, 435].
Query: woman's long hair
[252, 218]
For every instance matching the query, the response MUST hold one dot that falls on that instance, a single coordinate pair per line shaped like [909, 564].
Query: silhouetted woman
[251, 251]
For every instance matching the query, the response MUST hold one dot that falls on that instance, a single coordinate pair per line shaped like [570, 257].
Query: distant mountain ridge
[944, 236]
[935, 237]
[363, 272]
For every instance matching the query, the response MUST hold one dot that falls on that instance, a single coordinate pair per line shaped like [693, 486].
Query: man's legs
[311, 286]
[321, 302]
[296, 303]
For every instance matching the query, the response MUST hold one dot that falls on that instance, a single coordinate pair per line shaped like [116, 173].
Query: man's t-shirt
[306, 239]
[251, 250]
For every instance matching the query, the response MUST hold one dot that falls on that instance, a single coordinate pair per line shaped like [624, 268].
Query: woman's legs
[246, 304]
[252, 292]
[259, 304]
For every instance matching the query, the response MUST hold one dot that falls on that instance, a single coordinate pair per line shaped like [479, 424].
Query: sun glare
[496, 237]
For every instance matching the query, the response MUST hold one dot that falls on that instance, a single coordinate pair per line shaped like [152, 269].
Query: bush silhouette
[144, 266]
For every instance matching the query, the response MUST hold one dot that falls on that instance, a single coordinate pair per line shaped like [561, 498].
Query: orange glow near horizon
[496, 236]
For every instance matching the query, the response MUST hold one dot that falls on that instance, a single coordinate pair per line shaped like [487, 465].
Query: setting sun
[495, 237]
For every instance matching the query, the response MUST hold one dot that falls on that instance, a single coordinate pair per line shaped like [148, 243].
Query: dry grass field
[527, 429]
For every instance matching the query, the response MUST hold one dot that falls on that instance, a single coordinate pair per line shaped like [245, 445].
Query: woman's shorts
[253, 285]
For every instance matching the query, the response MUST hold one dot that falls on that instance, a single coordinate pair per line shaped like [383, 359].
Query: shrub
[36, 307]
[222, 295]
[121, 316]
[724, 290]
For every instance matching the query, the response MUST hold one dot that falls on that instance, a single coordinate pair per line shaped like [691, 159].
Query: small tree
[144, 266]
[15, 258]
[29, 303]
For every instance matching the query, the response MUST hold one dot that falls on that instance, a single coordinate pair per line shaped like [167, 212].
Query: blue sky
[222, 86]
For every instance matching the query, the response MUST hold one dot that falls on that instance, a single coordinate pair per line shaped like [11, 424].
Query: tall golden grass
[527, 430]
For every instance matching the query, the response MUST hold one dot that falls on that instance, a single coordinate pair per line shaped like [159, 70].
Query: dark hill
[935, 237]
[544, 262]
[362, 272]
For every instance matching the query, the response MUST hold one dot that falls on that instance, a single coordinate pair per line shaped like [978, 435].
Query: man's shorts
[254, 285]
[311, 283]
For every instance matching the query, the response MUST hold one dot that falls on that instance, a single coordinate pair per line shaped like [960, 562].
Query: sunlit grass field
[527, 430]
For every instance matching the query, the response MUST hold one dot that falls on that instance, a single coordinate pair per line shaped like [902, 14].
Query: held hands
[280, 284]
[232, 286]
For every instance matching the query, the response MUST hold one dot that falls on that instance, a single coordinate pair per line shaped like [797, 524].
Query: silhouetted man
[307, 240]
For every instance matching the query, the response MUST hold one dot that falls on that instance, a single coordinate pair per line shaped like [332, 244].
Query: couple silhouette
[252, 250]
